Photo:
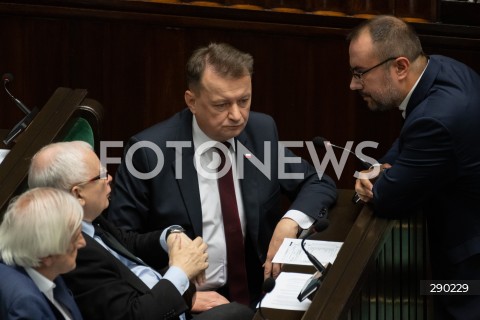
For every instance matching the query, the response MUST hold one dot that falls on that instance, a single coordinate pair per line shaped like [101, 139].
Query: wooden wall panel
[131, 56]
[33, 51]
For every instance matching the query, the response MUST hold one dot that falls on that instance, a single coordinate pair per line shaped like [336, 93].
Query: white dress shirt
[212, 219]
[403, 106]
[46, 287]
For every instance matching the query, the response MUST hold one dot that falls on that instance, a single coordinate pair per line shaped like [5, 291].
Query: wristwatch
[174, 229]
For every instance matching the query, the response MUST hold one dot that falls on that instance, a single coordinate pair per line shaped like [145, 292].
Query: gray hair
[226, 60]
[38, 223]
[59, 165]
[391, 37]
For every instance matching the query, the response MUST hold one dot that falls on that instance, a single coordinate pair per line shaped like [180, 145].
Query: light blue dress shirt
[148, 275]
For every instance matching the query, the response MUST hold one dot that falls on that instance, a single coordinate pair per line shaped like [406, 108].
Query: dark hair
[226, 60]
[391, 37]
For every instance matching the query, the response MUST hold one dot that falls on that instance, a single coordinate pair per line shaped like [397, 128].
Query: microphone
[323, 143]
[314, 282]
[319, 226]
[310, 286]
[7, 78]
[267, 287]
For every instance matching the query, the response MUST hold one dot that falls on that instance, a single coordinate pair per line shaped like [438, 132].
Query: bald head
[59, 165]
[389, 37]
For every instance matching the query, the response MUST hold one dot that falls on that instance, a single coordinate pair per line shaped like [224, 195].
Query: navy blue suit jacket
[436, 162]
[145, 205]
[20, 298]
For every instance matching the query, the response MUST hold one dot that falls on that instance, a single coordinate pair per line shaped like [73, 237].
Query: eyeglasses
[102, 176]
[359, 75]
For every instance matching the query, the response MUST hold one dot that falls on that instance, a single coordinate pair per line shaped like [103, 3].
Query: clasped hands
[191, 256]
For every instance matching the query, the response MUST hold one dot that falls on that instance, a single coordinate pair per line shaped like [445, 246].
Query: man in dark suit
[113, 279]
[434, 165]
[151, 195]
[39, 239]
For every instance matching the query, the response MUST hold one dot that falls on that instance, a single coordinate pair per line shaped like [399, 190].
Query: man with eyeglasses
[113, 279]
[434, 165]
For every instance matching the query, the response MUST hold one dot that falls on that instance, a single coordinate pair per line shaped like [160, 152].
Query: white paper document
[291, 251]
[284, 295]
[3, 154]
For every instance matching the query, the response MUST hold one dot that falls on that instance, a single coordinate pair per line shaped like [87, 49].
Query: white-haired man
[39, 238]
[110, 280]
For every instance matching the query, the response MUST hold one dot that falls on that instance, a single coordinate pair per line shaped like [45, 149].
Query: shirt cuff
[179, 279]
[303, 220]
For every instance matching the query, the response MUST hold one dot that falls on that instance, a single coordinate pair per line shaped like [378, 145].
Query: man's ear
[77, 193]
[402, 65]
[190, 101]
[46, 261]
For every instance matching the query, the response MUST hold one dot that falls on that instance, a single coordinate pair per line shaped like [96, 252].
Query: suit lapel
[188, 184]
[62, 295]
[58, 315]
[130, 277]
[424, 85]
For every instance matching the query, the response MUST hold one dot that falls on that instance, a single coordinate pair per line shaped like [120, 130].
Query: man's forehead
[361, 49]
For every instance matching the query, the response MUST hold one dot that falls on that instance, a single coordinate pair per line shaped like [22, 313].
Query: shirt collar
[44, 285]
[199, 137]
[88, 228]
[403, 106]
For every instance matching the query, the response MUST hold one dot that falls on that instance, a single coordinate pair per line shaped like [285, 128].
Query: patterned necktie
[236, 271]
[115, 245]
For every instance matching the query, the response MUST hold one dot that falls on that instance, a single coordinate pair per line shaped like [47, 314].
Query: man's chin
[232, 132]
[372, 105]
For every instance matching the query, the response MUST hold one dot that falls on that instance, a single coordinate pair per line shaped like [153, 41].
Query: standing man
[113, 278]
[239, 217]
[39, 239]
[434, 165]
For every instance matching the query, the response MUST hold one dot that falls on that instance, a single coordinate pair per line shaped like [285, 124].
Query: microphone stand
[317, 278]
[20, 126]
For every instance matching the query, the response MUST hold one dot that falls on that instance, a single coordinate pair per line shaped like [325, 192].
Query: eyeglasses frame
[102, 176]
[359, 75]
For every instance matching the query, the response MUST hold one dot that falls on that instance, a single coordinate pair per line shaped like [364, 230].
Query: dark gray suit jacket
[145, 205]
[105, 288]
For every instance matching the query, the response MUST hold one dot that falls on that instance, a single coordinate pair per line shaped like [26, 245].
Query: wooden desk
[342, 216]
[376, 272]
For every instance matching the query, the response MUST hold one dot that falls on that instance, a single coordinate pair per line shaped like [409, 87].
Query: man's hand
[205, 300]
[200, 278]
[364, 185]
[286, 228]
[190, 256]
